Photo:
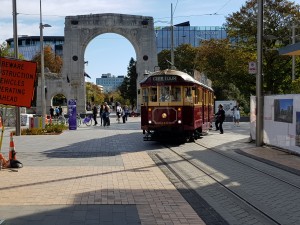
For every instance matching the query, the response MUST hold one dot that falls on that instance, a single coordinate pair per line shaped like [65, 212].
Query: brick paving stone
[86, 174]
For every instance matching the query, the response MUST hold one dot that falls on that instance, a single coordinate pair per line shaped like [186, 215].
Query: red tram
[175, 105]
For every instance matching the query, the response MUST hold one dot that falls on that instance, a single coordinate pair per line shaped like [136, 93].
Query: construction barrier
[2, 132]
[12, 152]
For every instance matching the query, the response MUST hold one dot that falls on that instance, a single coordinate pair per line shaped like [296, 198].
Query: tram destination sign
[17, 82]
[163, 78]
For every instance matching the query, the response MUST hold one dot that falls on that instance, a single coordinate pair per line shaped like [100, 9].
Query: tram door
[205, 108]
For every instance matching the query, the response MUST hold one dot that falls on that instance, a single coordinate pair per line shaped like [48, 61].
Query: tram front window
[153, 94]
[169, 94]
[164, 94]
[176, 94]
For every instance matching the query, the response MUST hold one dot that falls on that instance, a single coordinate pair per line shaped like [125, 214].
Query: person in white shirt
[236, 114]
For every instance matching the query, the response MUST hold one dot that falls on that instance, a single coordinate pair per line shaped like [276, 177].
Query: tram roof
[186, 77]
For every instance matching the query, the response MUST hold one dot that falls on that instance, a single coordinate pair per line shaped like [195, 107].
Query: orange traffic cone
[12, 151]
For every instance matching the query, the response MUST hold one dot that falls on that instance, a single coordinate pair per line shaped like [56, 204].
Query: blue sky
[110, 53]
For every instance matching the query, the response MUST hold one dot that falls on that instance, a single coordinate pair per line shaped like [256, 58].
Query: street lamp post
[43, 100]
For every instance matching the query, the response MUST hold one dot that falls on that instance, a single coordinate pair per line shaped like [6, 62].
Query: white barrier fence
[281, 121]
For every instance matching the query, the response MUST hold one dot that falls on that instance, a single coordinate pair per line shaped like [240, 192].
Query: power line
[175, 7]
[223, 6]
[32, 14]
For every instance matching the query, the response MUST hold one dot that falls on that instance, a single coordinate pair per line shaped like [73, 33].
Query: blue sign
[72, 114]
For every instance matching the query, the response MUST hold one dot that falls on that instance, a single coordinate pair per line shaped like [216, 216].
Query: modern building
[110, 82]
[186, 34]
[29, 46]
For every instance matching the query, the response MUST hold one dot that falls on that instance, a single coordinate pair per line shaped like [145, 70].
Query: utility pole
[259, 96]
[16, 53]
[172, 39]
[293, 56]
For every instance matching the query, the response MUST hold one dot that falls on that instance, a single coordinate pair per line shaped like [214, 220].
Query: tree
[93, 93]
[296, 86]
[5, 51]
[279, 16]
[163, 57]
[128, 87]
[52, 61]
[227, 67]
[184, 58]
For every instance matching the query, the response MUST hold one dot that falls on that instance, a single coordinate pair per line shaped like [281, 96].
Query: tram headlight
[179, 121]
[149, 121]
[164, 115]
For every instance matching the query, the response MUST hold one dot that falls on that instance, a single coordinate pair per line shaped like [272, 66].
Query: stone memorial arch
[80, 30]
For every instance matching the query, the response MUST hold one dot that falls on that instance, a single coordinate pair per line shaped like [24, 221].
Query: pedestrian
[56, 111]
[95, 112]
[60, 110]
[236, 114]
[220, 119]
[106, 120]
[126, 112]
[124, 115]
[101, 114]
[119, 112]
[51, 110]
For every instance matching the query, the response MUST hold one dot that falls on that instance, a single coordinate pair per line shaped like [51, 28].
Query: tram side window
[145, 94]
[197, 95]
[188, 95]
[153, 94]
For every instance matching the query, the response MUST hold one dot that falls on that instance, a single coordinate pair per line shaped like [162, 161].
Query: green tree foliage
[163, 57]
[93, 93]
[5, 51]
[128, 87]
[52, 61]
[227, 67]
[279, 16]
[296, 86]
[184, 58]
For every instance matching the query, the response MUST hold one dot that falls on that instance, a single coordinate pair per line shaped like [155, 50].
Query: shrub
[49, 129]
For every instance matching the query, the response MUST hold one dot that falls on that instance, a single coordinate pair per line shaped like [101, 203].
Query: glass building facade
[187, 35]
[29, 46]
[109, 82]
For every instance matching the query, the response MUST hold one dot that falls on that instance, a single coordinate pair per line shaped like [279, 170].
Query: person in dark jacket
[95, 112]
[101, 114]
[220, 117]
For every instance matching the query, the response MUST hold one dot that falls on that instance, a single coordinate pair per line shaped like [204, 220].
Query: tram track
[268, 216]
[252, 167]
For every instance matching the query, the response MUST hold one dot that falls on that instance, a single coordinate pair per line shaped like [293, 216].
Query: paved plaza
[97, 175]
[94, 175]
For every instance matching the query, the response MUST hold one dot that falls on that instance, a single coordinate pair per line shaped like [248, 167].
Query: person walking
[106, 120]
[101, 114]
[220, 119]
[56, 112]
[126, 112]
[119, 111]
[236, 114]
[60, 110]
[95, 112]
[51, 110]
